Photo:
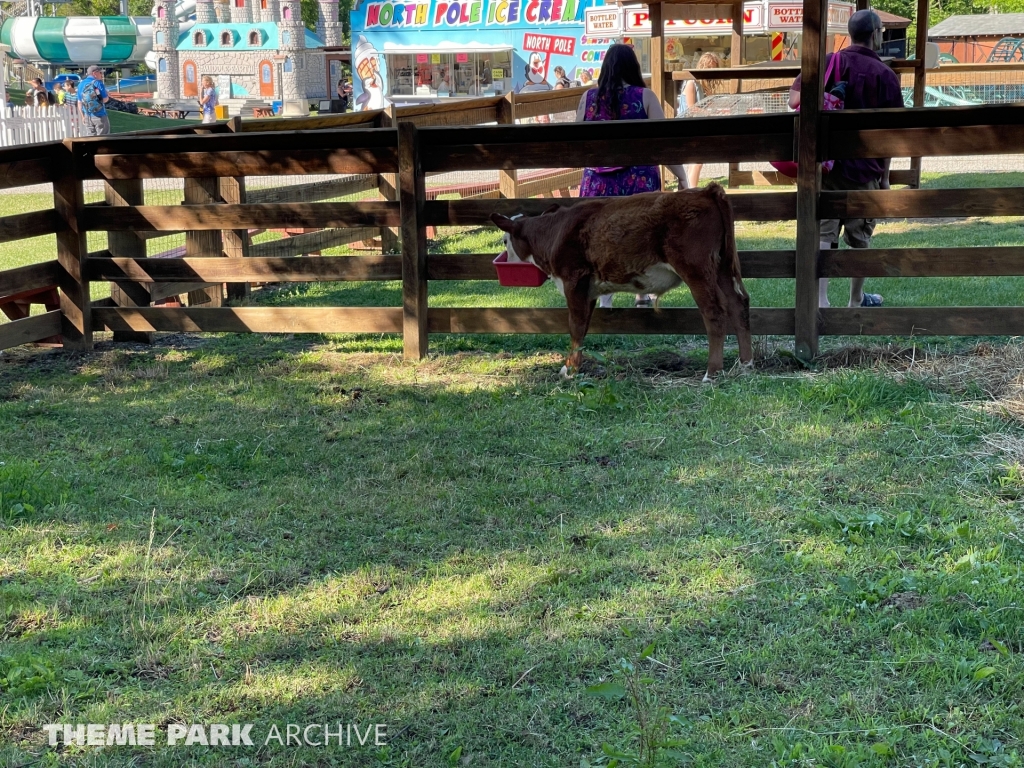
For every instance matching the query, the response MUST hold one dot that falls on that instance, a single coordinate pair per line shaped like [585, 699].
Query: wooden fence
[409, 153]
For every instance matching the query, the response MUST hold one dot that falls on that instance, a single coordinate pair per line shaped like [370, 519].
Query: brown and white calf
[647, 243]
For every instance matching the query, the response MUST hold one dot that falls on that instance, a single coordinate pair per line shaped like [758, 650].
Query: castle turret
[328, 25]
[293, 47]
[240, 12]
[205, 13]
[267, 11]
[165, 41]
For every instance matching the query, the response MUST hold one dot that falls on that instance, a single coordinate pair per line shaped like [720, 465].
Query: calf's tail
[729, 257]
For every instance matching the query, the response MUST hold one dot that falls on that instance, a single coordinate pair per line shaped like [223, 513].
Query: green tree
[311, 12]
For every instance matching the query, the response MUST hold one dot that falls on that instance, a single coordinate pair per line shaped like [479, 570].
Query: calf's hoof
[709, 378]
[746, 368]
[565, 373]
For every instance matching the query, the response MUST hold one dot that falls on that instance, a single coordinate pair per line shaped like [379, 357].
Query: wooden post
[736, 55]
[808, 227]
[126, 293]
[505, 114]
[75, 300]
[412, 193]
[655, 9]
[235, 241]
[657, 51]
[204, 243]
[387, 186]
[920, 43]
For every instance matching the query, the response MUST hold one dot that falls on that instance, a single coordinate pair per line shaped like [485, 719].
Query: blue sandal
[871, 300]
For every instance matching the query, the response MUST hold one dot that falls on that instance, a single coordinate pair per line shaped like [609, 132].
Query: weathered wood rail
[411, 152]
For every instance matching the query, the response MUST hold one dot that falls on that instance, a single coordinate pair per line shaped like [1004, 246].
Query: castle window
[159, 38]
[199, 38]
[225, 40]
[263, 4]
[161, 12]
[161, 65]
[239, 3]
[286, 37]
[288, 64]
[287, 13]
[254, 37]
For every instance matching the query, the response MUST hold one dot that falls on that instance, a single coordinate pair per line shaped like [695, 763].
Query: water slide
[78, 41]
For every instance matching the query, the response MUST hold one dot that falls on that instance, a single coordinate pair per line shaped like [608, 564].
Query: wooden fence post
[808, 227]
[202, 243]
[737, 52]
[387, 185]
[75, 300]
[412, 194]
[120, 193]
[235, 241]
[920, 78]
[505, 114]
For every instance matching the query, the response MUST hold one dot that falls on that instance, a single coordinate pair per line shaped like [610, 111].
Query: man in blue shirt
[92, 98]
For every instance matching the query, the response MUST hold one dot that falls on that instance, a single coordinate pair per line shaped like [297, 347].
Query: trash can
[277, 106]
[221, 111]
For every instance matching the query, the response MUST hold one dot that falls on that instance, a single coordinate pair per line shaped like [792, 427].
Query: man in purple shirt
[870, 84]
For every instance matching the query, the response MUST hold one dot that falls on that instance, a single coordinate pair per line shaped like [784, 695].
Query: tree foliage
[941, 9]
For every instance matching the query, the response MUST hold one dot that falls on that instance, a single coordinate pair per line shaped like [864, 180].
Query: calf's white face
[509, 248]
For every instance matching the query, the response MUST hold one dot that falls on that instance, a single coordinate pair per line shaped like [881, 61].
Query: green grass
[124, 122]
[276, 529]
[268, 530]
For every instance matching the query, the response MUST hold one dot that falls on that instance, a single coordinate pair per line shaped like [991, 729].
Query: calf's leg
[708, 298]
[737, 306]
[581, 309]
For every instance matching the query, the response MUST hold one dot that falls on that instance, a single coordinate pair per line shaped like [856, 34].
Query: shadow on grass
[265, 530]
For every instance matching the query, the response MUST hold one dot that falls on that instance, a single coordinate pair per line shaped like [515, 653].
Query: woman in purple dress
[621, 95]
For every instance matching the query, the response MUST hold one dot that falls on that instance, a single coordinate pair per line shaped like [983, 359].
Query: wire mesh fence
[967, 95]
[726, 104]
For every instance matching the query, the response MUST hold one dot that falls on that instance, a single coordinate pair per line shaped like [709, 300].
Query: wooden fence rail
[409, 153]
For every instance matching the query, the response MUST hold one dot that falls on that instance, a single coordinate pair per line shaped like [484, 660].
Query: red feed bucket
[518, 274]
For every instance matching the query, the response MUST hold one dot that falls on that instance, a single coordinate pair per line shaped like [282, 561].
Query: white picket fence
[28, 125]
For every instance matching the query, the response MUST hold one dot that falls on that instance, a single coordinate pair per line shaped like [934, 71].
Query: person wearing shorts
[870, 84]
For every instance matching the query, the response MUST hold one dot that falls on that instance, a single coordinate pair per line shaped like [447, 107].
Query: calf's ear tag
[517, 216]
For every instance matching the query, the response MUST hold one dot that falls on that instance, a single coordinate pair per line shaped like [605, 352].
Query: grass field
[794, 568]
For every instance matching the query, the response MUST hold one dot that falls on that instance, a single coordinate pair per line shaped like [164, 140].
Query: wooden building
[972, 39]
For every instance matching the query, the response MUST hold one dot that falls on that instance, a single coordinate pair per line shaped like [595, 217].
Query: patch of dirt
[1008, 647]
[601, 461]
[663, 361]
[903, 601]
